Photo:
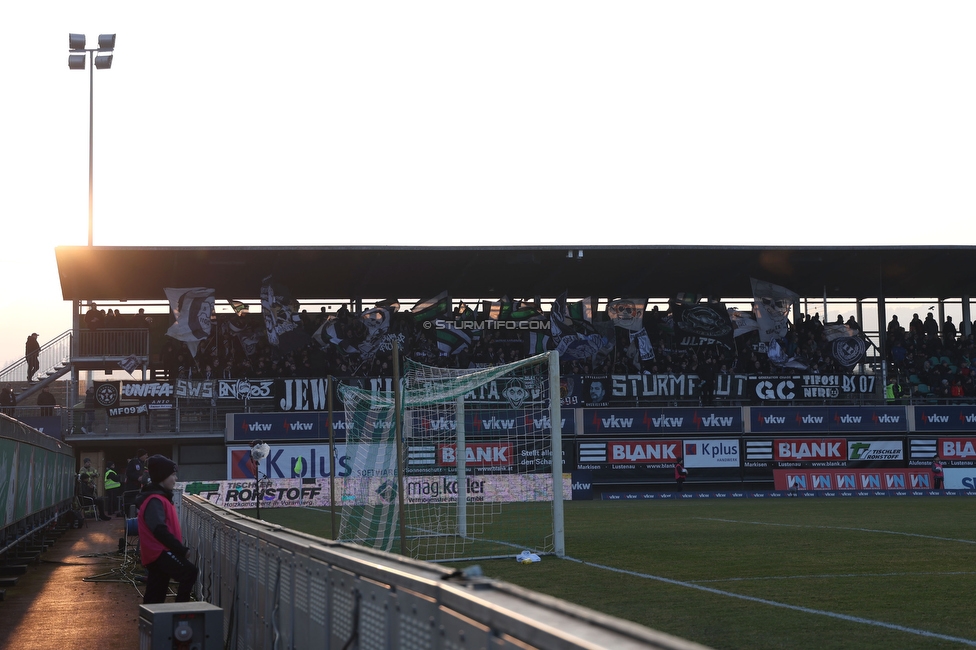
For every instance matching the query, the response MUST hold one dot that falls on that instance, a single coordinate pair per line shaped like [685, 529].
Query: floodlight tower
[76, 61]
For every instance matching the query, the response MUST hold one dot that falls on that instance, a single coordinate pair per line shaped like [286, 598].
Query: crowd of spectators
[927, 359]
[96, 318]
[232, 353]
[930, 360]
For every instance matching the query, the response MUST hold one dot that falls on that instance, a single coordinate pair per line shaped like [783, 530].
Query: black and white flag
[193, 310]
[771, 308]
[847, 346]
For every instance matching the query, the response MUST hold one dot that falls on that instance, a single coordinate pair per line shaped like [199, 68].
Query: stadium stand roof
[350, 272]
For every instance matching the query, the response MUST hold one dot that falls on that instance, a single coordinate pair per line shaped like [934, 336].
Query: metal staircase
[54, 359]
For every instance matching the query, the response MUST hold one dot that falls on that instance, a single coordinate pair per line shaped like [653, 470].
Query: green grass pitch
[750, 573]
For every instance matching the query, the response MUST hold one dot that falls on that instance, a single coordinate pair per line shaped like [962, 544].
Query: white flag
[771, 308]
[193, 310]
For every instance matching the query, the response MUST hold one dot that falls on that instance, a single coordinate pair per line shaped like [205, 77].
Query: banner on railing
[202, 389]
[852, 479]
[315, 425]
[245, 389]
[610, 421]
[946, 418]
[632, 454]
[313, 460]
[616, 389]
[316, 493]
[832, 419]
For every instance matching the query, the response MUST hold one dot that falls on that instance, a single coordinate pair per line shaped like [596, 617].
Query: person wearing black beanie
[161, 547]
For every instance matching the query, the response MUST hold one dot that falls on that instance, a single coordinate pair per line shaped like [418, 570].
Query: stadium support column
[556, 430]
[966, 327]
[883, 339]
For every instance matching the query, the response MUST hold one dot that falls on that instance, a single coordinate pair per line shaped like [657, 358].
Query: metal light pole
[106, 45]
[76, 61]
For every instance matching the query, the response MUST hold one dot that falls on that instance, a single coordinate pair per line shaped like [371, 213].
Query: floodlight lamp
[103, 61]
[76, 61]
[259, 451]
[106, 42]
[76, 42]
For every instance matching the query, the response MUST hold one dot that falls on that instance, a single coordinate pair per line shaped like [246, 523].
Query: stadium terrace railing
[280, 588]
[115, 343]
[207, 415]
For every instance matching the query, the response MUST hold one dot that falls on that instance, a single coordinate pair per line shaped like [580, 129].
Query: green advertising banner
[8, 455]
[36, 472]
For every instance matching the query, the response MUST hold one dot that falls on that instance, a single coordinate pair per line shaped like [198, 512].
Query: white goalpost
[482, 456]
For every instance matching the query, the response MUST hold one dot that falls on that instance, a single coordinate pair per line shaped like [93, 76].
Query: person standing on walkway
[937, 472]
[113, 489]
[88, 470]
[88, 421]
[32, 353]
[680, 473]
[161, 546]
[8, 400]
[47, 402]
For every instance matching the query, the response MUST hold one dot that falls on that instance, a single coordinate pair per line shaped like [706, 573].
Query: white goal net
[482, 459]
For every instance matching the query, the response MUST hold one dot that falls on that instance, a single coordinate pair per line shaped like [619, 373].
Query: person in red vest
[937, 472]
[161, 545]
[680, 473]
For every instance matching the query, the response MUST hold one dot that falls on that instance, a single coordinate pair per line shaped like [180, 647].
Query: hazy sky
[501, 123]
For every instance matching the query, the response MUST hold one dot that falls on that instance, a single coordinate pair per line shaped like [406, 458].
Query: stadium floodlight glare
[76, 61]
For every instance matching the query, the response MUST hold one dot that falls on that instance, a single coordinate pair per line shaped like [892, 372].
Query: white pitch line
[772, 603]
[860, 530]
[841, 575]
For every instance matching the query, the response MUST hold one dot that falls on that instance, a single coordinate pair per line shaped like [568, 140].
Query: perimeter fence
[280, 588]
